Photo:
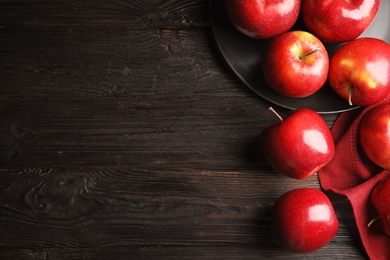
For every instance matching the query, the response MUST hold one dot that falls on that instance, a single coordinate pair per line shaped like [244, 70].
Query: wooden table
[125, 135]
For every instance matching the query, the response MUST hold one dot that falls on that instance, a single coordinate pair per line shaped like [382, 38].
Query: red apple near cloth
[305, 219]
[336, 21]
[374, 135]
[380, 198]
[263, 19]
[296, 64]
[360, 71]
[299, 145]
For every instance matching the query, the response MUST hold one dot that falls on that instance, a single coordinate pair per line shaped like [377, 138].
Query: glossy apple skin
[374, 135]
[263, 19]
[361, 67]
[380, 198]
[296, 64]
[305, 219]
[299, 145]
[337, 21]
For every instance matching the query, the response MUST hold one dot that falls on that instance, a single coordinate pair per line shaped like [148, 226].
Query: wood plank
[92, 50]
[182, 131]
[88, 208]
[137, 13]
[171, 62]
[173, 252]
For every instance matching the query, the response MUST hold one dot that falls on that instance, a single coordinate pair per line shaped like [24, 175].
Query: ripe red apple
[374, 135]
[305, 219]
[360, 71]
[263, 19]
[296, 64]
[338, 21]
[299, 145]
[380, 199]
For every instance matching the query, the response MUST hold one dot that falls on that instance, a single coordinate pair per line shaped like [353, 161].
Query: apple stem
[276, 113]
[350, 98]
[372, 221]
[304, 56]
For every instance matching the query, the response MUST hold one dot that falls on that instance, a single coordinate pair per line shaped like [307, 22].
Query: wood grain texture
[124, 135]
[103, 208]
[76, 56]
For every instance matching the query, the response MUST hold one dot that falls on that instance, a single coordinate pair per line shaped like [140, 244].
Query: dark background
[125, 135]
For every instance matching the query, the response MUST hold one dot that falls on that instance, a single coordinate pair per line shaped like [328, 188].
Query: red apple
[263, 19]
[380, 199]
[299, 145]
[305, 219]
[360, 71]
[374, 135]
[338, 21]
[296, 64]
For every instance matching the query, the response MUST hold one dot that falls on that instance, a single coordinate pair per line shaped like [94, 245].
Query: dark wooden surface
[125, 135]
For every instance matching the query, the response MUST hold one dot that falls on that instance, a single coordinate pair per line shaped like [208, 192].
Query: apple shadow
[344, 213]
[252, 154]
[266, 237]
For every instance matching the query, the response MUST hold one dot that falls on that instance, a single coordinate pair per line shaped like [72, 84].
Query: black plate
[244, 54]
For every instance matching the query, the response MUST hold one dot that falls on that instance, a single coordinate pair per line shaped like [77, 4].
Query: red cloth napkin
[353, 175]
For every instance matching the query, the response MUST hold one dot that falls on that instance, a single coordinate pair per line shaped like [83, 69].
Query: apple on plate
[299, 145]
[374, 135]
[337, 21]
[305, 219]
[380, 199]
[296, 64]
[359, 71]
[263, 19]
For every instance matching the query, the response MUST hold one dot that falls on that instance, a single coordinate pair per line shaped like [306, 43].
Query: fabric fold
[353, 175]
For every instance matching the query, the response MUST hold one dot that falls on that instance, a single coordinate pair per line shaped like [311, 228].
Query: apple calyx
[276, 113]
[302, 57]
